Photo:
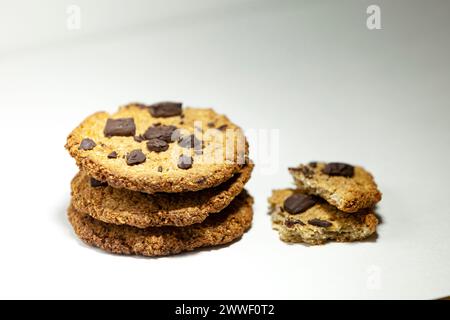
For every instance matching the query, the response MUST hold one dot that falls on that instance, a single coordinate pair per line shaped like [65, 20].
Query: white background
[334, 89]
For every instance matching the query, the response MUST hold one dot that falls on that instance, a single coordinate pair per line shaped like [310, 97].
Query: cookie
[346, 187]
[159, 148]
[142, 210]
[215, 230]
[304, 218]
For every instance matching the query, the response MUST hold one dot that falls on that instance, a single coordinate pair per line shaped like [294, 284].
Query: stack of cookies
[332, 202]
[159, 179]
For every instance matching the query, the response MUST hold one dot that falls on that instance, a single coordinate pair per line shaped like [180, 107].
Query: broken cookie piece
[349, 188]
[320, 222]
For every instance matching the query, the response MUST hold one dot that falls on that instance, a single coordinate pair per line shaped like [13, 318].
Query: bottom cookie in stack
[220, 228]
[129, 222]
[319, 223]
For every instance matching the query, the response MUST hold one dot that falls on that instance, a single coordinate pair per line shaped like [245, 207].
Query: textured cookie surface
[140, 150]
[122, 206]
[319, 223]
[215, 230]
[348, 190]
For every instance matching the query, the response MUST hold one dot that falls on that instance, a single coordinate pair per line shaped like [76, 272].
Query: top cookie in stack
[158, 148]
[333, 201]
[159, 169]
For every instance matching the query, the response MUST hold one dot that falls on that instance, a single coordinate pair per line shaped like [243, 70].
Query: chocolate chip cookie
[159, 148]
[159, 241]
[349, 188]
[142, 210]
[299, 217]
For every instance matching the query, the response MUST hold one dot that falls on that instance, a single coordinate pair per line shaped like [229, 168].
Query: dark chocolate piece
[165, 109]
[298, 203]
[135, 157]
[87, 144]
[123, 127]
[339, 169]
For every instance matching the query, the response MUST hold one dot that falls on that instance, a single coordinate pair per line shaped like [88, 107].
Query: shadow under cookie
[217, 229]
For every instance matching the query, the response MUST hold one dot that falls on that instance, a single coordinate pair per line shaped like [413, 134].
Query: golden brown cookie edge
[97, 203]
[214, 231]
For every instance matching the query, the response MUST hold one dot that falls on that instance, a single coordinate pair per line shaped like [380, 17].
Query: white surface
[335, 90]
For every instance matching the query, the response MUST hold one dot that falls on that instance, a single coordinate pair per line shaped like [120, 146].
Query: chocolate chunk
[298, 203]
[112, 155]
[165, 109]
[211, 124]
[313, 164]
[290, 223]
[96, 183]
[157, 145]
[181, 122]
[160, 169]
[139, 138]
[320, 223]
[135, 157]
[160, 132]
[185, 162]
[87, 144]
[222, 127]
[123, 127]
[339, 169]
[190, 141]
